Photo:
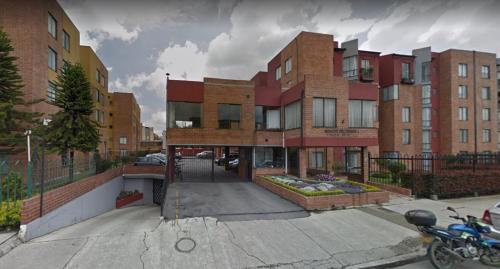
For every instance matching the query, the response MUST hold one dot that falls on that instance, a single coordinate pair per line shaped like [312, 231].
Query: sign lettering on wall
[341, 132]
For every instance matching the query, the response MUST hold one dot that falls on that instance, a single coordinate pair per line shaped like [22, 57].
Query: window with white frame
[485, 71]
[406, 137]
[324, 112]
[51, 92]
[52, 23]
[426, 140]
[293, 115]
[277, 73]
[486, 135]
[267, 118]
[462, 91]
[350, 67]
[462, 113]
[406, 114]
[288, 65]
[426, 117]
[485, 93]
[123, 140]
[52, 59]
[391, 92]
[462, 70]
[361, 113]
[123, 153]
[486, 114]
[426, 94]
[463, 136]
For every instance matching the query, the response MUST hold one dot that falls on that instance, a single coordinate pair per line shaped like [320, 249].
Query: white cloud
[158, 121]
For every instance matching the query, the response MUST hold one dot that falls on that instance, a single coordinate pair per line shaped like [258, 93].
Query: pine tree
[72, 129]
[14, 121]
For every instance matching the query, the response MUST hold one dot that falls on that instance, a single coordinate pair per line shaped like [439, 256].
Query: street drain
[185, 245]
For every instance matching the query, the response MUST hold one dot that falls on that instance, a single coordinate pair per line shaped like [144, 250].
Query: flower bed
[312, 195]
[128, 197]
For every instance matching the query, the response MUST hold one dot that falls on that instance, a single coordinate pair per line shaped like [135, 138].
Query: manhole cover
[185, 244]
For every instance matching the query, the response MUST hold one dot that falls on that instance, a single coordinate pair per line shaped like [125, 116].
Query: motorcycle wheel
[487, 259]
[438, 256]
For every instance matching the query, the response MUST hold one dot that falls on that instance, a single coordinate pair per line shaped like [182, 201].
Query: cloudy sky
[140, 41]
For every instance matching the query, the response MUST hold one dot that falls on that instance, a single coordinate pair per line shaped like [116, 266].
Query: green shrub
[10, 215]
[102, 165]
[305, 193]
[13, 187]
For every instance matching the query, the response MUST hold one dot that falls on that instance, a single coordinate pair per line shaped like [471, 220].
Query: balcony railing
[367, 74]
[408, 79]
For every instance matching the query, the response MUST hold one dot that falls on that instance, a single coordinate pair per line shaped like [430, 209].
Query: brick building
[314, 109]
[438, 102]
[125, 124]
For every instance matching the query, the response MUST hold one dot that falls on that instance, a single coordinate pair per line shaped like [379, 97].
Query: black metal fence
[433, 174]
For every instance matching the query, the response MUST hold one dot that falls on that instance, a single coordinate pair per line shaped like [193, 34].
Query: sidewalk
[133, 237]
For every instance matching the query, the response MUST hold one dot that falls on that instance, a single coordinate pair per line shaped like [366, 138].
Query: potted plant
[128, 197]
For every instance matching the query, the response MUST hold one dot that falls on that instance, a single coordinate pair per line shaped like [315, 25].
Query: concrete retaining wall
[88, 205]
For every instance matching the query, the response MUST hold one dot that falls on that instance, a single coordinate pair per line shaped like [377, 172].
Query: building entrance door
[293, 161]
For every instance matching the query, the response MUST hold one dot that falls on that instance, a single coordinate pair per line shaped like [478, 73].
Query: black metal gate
[157, 188]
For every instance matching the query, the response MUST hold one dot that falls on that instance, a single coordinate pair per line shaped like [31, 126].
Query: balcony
[408, 79]
[367, 74]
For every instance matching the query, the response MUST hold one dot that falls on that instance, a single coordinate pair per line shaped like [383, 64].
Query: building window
[426, 140]
[66, 41]
[52, 59]
[324, 112]
[485, 71]
[462, 70]
[426, 71]
[391, 92]
[426, 117]
[184, 115]
[267, 118]
[293, 116]
[406, 137]
[278, 73]
[426, 94]
[486, 135]
[361, 113]
[405, 71]
[462, 91]
[463, 136]
[316, 159]
[288, 65]
[485, 93]
[123, 140]
[406, 114]
[462, 113]
[486, 114]
[229, 116]
[98, 76]
[52, 26]
[123, 153]
[269, 157]
[51, 92]
[350, 67]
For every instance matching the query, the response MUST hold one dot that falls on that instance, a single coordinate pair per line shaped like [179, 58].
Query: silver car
[492, 217]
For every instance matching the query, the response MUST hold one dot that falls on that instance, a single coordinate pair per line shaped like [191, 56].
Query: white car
[234, 163]
[492, 217]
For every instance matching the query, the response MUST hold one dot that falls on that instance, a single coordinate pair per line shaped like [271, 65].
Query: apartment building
[43, 38]
[305, 113]
[126, 125]
[446, 106]
[97, 74]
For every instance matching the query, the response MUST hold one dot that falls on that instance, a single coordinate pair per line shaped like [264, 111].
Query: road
[428, 265]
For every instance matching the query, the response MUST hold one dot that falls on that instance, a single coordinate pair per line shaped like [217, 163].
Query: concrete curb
[392, 262]
[9, 244]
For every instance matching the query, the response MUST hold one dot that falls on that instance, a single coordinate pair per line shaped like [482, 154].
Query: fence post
[369, 165]
[42, 179]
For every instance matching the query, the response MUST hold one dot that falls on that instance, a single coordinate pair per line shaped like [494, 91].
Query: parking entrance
[211, 164]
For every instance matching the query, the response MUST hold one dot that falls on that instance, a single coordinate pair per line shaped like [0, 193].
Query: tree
[72, 129]
[13, 119]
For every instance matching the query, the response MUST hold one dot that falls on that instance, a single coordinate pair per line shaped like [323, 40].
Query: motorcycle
[458, 242]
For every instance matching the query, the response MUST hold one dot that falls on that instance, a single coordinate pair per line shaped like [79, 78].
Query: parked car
[149, 160]
[233, 164]
[178, 155]
[207, 154]
[491, 216]
[223, 160]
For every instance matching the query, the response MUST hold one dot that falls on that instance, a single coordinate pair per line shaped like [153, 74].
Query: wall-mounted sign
[341, 132]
